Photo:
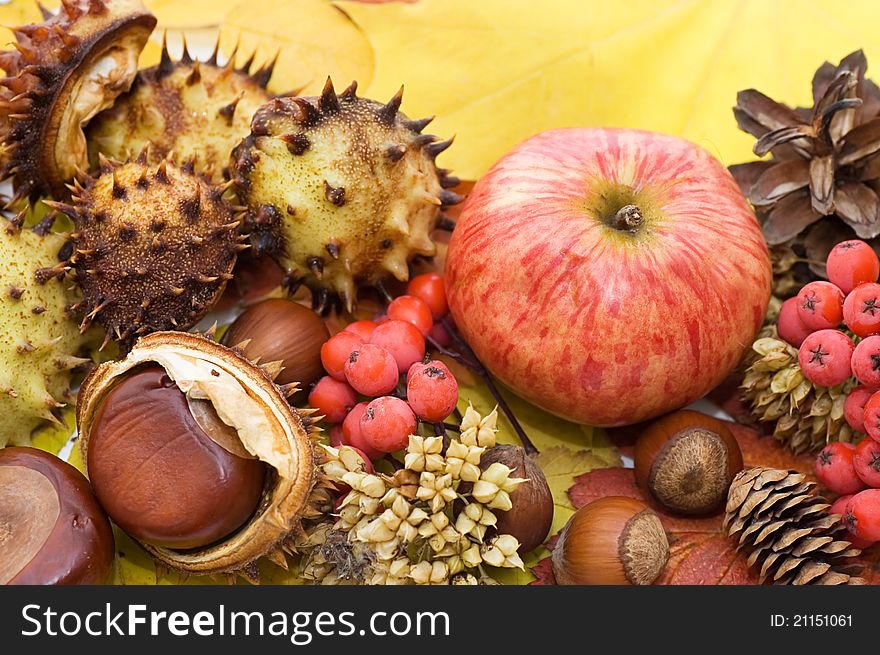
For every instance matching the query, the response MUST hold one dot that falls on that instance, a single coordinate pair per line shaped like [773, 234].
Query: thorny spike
[289, 389]
[64, 208]
[185, 57]
[308, 114]
[165, 63]
[42, 228]
[350, 92]
[104, 163]
[388, 112]
[246, 67]
[448, 198]
[445, 223]
[228, 112]
[332, 248]
[162, 172]
[316, 265]
[264, 74]
[212, 60]
[423, 139]
[278, 558]
[435, 149]
[328, 102]
[319, 300]
[46, 13]
[334, 195]
[418, 125]
[273, 369]
[396, 152]
[449, 181]
[195, 75]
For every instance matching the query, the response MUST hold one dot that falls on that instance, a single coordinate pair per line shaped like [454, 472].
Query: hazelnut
[686, 462]
[613, 540]
[281, 330]
[166, 469]
[52, 529]
[530, 517]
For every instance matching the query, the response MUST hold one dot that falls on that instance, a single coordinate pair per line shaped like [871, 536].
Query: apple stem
[627, 219]
[480, 370]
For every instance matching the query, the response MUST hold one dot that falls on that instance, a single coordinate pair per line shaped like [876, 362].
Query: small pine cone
[424, 454]
[478, 430]
[463, 461]
[805, 416]
[779, 517]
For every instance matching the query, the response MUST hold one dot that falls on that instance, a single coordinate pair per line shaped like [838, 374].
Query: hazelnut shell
[612, 541]
[686, 462]
[54, 530]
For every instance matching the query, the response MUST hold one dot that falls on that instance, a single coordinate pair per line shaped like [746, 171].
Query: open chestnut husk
[531, 515]
[230, 426]
[613, 540]
[686, 462]
[52, 529]
[280, 330]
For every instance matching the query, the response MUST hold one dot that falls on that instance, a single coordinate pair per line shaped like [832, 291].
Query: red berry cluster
[854, 472]
[368, 358]
[827, 355]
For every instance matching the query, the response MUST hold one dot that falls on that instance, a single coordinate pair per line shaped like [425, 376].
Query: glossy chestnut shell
[52, 529]
[158, 473]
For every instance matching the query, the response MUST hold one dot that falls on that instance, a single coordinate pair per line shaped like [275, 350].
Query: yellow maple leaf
[497, 71]
[313, 39]
[192, 14]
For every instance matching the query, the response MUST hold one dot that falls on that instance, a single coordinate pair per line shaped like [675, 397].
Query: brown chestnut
[686, 462]
[613, 540]
[52, 529]
[281, 330]
[530, 517]
[166, 469]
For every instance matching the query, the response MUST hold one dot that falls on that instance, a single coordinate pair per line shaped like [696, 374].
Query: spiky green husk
[342, 191]
[51, 89]
[39, 342]
[193, 109]
[152, 250]
[804, 416]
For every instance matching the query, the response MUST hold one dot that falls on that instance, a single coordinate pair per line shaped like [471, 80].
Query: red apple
[608, 276]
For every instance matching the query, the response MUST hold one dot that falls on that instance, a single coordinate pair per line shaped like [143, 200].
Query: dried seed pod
[686, 462]
[197, 110]
[61, 73]
[53, 529]
[245, 399]
[530, 517]
[279, 330]
[39, 342]
[153, 248]
[342, 191]
[613, 540]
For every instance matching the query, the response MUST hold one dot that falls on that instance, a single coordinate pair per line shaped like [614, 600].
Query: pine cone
[805, 416]
[820, 186]
[792, 539]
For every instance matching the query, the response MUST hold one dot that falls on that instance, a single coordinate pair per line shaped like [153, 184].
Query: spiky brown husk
[778, 516]
[39, 341]
[342, 191]
[153, 247]
[47, 95]
[190, 108]
[804, 416]
[300, 494]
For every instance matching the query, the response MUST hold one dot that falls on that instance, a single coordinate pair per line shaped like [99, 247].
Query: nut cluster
[431, 522]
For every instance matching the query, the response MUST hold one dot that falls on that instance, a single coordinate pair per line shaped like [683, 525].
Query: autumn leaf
[192, 14]
[313, 39]
[495, 72]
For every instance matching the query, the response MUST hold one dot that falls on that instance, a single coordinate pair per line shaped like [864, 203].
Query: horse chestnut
[166, 469]
[52, 530]
[686, 462]
[281, 330]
